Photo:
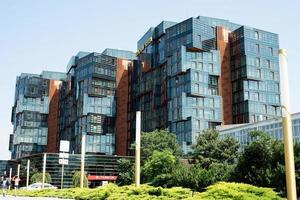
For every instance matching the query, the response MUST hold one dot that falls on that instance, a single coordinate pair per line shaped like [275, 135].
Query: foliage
[38, 178]
[297, 166]
[239, 191]
[145, 192]
[194, 176]
[210, 149]
[159, 140]
[76, 179]
[158, 163]
[126, 172]
[262, 162]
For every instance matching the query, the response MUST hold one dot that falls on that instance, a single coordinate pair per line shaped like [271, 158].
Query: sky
[42, 35]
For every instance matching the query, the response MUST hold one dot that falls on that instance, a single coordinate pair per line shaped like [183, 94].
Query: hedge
[221, 190]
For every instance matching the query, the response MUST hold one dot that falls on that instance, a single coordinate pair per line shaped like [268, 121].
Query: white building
[272, 126]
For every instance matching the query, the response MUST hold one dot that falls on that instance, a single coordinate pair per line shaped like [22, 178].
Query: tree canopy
[159, 140]
[38, 178]
[210, 148]
[126, 172]
[76, 179]
[262, 162]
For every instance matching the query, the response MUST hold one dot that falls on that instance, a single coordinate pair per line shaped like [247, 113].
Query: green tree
[197, 178]
[210, 149]
[159, 140]
[160, 162]
[297, 166]
[76, 179]
[38, 178]
[126, 172]
[262, 162]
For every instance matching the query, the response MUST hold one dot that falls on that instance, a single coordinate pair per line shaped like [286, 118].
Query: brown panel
[53, 117]
[225, 82]
[122, 126]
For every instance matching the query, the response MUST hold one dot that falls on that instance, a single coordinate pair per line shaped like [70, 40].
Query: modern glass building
[272, 126]
[186, 76]
[89, 100]
[201, 72]
[91, 107]
[30, 113]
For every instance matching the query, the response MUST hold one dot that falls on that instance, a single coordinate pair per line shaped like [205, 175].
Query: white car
[38, 186]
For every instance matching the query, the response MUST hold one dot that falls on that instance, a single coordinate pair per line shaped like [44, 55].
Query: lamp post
[10, 172]
[82, 160]
[18, 170]
[287, 128]
[44, 170]
[27, 178]
[137, 148]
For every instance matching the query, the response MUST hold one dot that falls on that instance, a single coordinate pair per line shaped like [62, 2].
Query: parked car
[38, 186]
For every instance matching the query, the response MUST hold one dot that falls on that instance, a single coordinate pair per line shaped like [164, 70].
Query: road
[30, 198]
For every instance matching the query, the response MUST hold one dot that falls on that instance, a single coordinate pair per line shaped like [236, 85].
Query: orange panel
[225, 82]
[53, 117]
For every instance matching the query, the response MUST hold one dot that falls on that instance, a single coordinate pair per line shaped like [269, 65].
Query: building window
[257, 48]
[197, 88]
[272, 76]
[270, 51]
[269, 64]
[256, 34]
[257, 62]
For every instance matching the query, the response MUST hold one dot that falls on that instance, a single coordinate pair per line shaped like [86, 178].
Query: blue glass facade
[30, 113]
[255, 75]
[88, 99]
[186, 76]
[177, 79]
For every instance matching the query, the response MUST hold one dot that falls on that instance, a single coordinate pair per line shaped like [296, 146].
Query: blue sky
[43, 35]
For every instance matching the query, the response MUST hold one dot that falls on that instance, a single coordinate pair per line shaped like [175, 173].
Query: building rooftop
[230, 127]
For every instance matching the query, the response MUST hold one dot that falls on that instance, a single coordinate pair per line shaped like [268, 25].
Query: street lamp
[82, 160]
[137, 148]
[287, 128]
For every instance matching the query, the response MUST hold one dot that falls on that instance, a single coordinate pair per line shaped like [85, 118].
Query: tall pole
[10, 172]
[287, 128]
[27, 178]
[82, 161]
[62, 177]
[18, 172]
[137, 148]
[44, 170]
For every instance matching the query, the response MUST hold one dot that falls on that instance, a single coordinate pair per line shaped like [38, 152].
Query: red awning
[101, 178]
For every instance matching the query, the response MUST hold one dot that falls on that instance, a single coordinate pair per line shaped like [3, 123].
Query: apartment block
[203, 72]
[186, 76]
[34, 97]
[97, 84]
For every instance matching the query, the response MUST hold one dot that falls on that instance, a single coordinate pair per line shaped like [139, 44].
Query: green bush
[76, 179]
[220, 190]
[239, 191]
[38, 178]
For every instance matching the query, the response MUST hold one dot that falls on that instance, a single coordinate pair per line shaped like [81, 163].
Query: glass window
[269, 64]
[257, 48]
[270, 51]
[257, 62]
[256, 35]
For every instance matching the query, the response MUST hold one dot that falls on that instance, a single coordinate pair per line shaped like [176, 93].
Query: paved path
[30, 198]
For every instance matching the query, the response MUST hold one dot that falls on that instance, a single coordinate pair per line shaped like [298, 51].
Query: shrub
[220, 190]
[76, 179]
[38, 178]
[239, 191]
